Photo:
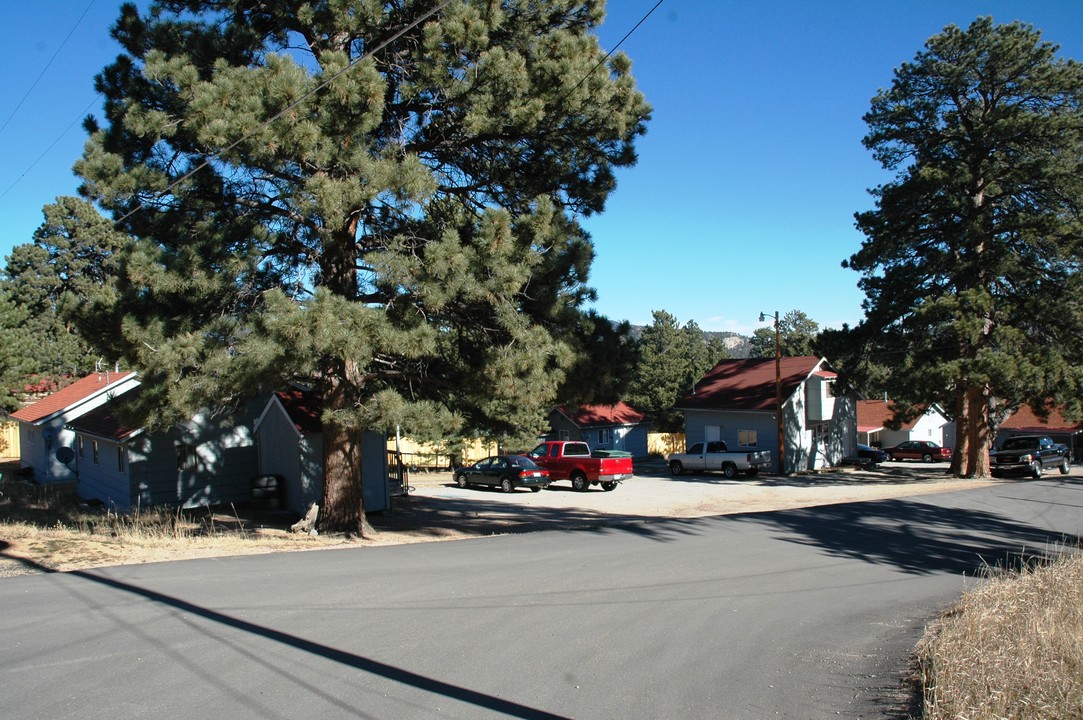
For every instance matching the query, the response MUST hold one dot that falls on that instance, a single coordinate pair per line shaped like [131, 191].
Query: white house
[43, 425]
[735, 402]
[875, 416]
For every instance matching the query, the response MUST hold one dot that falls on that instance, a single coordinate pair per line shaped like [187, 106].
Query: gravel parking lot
[653, 492]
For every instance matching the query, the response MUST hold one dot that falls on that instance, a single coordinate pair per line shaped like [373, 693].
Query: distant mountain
[738, 345]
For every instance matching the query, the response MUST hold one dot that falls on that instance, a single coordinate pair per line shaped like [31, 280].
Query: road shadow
[914, 536]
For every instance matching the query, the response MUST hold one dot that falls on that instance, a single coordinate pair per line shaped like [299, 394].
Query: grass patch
[1011, 649]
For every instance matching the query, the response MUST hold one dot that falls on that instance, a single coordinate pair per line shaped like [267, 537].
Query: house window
[819, 433]
[564, 435]
[186, 457]
[79, 442]
[120, 458]
[94, 450]
[605, 436]
[746, 438]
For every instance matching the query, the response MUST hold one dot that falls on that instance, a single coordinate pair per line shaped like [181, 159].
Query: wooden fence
[665, 443]
[9, 439]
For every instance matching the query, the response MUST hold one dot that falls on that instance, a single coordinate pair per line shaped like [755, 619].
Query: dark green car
[507, 472]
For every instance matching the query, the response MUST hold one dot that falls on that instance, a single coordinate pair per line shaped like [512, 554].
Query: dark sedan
[507, 472]
[925, 450]
[872, 454]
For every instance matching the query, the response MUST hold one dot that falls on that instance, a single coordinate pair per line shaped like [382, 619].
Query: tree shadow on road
[915, 536]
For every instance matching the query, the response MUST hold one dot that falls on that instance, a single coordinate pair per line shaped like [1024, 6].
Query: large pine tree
[972, 254]
[378, 198]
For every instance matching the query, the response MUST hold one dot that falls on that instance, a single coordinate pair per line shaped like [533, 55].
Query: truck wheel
[461, 481]
[505, 485]
[609, 487]
[580, 482]
[1065, 468]
[729, 470]
[1036, 469]
[676, 468]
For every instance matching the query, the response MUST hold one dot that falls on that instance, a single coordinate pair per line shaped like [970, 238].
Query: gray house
[203, 461]
[289, 436]
[735, 402]
[43, 426]
[602, 427]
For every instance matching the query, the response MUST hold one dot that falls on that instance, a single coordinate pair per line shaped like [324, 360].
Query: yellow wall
[9, 439]
[665, 443]
[427, 455]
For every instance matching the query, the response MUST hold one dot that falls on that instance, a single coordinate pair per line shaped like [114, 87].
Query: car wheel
[676, 468]
[891, 457]
[927, 457]
[580, 482]
[1036, 469]
[729, 471]
[609, 487]
[461, 481]
[505, 485]
[536, 488]
[1065, 468]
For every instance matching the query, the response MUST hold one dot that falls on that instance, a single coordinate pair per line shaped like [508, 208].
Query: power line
[42, 74]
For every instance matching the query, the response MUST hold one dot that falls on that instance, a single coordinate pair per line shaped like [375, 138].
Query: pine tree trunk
[343, 504]
[978, 436]
[959, 459]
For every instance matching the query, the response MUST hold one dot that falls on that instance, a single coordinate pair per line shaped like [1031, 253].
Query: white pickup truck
[715, 456]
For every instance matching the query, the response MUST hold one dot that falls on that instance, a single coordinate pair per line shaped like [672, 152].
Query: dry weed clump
[1012, 648]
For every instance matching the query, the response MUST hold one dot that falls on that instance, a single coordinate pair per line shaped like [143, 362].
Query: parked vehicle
[508, 472]
[925, 450]
[715, 456]
[574, 461]
[1029, 454]
[872, 454]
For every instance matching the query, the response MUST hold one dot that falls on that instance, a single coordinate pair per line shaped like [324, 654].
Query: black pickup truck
[1029, 455]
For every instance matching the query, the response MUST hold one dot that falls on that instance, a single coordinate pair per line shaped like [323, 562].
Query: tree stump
[307, 524]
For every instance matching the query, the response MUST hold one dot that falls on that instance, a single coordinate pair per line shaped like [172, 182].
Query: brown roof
[876, 414]
[303, 409]
[103, 421]
[1026, 419]
[71, 395]
[748, 384]
[620, 413]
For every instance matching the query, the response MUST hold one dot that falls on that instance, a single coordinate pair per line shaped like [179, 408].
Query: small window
[747, 438]
[120, 458]
[186, 457]
[79, 442]
[564, 435]
[605, 436]
[94, 450]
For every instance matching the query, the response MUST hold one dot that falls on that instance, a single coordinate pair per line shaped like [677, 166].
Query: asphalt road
[793, 614]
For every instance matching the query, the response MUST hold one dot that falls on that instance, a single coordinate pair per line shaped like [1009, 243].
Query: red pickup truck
[570, 460]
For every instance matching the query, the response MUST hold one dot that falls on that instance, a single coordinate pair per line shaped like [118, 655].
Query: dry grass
[43, 529]
[1012, 648]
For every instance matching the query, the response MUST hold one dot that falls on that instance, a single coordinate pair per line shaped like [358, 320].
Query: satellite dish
[65, 454]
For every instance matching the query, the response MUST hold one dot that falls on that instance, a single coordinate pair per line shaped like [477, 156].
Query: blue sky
[748, 176]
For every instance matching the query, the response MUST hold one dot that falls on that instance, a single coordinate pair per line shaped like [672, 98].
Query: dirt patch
[436, 509]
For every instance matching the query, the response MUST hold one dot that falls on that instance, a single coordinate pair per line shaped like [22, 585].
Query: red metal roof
[103, 421]
[874, 415]
[620, 413]
[70, 396]
[1026, 419]
[303, 409]
[748, 384]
